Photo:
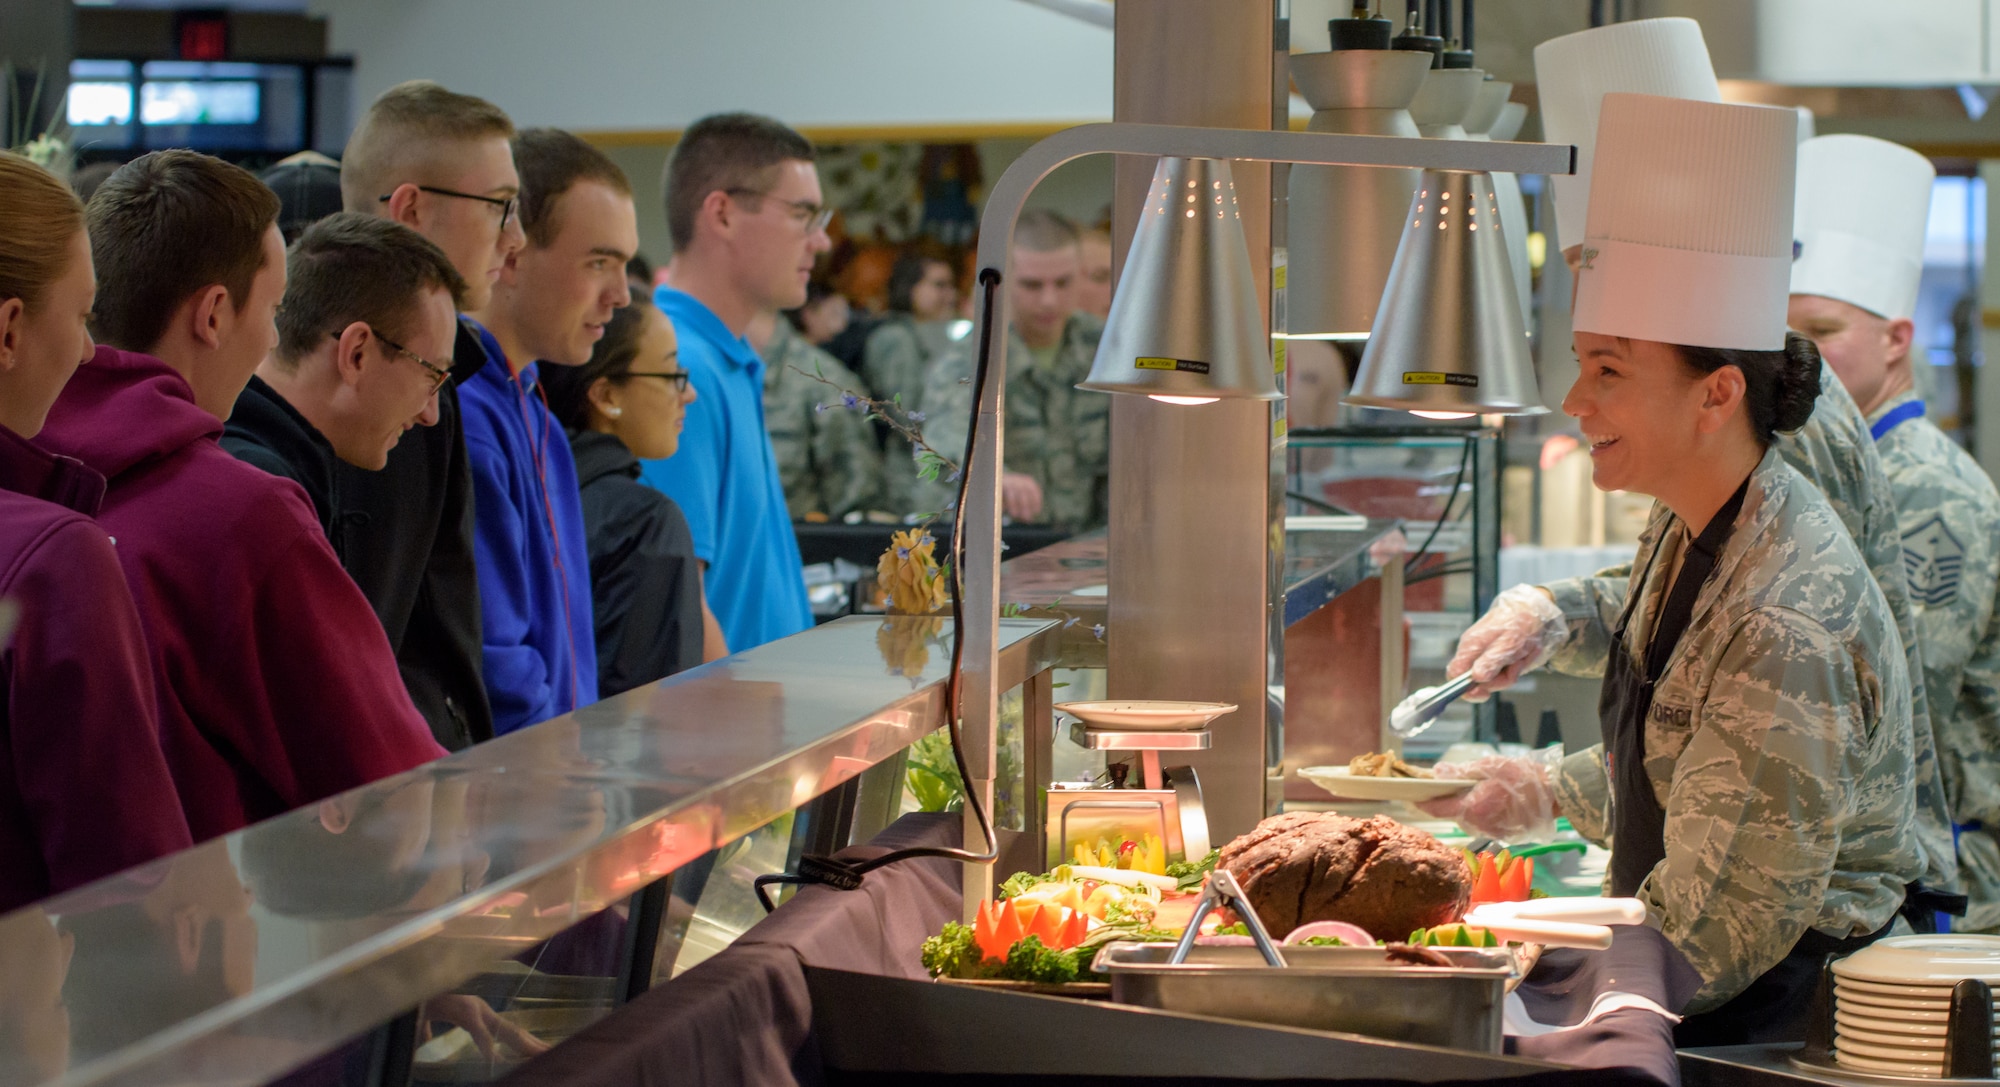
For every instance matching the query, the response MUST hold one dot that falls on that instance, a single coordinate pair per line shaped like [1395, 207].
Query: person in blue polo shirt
[550, 306]
[743, 208]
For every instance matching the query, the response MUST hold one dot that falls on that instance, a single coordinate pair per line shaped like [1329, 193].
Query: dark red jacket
[84, 789]
[277, 687]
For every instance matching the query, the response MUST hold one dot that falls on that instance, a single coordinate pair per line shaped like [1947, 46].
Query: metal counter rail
[247, 956]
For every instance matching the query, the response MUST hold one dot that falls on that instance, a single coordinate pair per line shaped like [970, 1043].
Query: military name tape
[1185, 366]
[1429, 377]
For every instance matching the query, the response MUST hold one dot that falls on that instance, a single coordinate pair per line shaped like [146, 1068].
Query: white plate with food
[1143, 715]
[1382, 777]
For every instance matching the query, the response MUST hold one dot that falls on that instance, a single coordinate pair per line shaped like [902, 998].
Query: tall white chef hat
[1688, 239]
[1574, 72]
[1863, 205]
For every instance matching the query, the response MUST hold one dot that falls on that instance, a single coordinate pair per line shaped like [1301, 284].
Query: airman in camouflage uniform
[1057, 433]
[893, 364]
[1835, 452]
[1779, 743]
[825, 449]
[1949, 511]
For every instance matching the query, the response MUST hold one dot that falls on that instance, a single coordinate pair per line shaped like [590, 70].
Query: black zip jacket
[264, 430]
[644, 579]
[406, 538]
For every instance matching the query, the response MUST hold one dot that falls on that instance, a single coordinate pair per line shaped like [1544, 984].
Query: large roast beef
[1375, 873]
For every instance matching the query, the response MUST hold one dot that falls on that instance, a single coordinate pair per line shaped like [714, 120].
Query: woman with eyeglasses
[625, 405]
[84, 786]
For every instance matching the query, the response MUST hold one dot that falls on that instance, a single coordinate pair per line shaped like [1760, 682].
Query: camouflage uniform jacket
[893, 364]
[1778, 743]
[1949, 514]
[827, 459]
[1835, 452]
[1056, 432]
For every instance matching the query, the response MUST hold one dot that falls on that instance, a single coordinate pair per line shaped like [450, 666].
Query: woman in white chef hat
[1833, 450]
[1755, 781]
[1863, 211]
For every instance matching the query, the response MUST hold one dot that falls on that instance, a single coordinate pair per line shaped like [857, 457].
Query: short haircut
[1040, 230]
[552, 162]
[39, 220]
[351, 267]
[407, 133]
[568, 387]
[721, 152]
[165, 226]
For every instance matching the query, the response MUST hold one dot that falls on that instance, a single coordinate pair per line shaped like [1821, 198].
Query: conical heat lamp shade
[1184, 325]
[1448, 339]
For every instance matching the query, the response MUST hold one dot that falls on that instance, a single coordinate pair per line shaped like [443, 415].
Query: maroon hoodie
[276, 684]
[84, 789]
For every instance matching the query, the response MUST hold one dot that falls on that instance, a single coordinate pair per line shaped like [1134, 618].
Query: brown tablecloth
[745, 1017]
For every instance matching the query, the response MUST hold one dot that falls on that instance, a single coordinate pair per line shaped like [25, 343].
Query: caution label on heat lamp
[1186, 366]
[1425, 377]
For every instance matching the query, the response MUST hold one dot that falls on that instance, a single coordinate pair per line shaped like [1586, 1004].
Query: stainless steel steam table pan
[1353, 989]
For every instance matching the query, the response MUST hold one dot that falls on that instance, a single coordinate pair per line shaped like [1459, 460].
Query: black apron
[1775, 1006]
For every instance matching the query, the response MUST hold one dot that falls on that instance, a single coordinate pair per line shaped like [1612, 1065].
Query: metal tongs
[1223, 890]
[1415, 713]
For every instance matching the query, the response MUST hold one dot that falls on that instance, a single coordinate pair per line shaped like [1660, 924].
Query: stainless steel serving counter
[243, 958]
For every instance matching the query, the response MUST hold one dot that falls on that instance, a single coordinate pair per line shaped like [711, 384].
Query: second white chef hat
[1863, 208]
[1574, 72]
[1689, 234]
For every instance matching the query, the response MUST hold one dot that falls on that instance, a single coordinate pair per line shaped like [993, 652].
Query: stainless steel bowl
[1352, 989]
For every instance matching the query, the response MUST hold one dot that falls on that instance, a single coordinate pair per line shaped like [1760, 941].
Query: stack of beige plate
[1892, 1000]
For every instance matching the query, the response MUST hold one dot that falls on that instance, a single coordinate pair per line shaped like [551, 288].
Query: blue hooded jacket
[528, 538]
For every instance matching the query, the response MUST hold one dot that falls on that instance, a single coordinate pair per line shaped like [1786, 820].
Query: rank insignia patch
[1933, 559]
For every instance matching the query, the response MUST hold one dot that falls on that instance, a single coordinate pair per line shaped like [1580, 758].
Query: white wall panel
[642, 65]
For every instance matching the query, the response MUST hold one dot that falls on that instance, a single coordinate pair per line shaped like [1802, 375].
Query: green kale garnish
[1190, 873]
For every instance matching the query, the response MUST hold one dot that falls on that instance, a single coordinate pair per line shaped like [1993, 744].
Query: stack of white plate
[1892, 1000]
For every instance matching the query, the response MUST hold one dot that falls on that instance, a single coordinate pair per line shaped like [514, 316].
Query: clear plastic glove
[1517, 635]
[1513, 802]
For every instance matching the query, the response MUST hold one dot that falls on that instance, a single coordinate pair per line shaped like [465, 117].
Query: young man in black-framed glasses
[339, 389]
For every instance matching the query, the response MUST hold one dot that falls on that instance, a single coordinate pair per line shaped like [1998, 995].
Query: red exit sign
[202, 35]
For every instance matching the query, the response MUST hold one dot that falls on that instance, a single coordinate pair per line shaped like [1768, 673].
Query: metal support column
[1194, 537]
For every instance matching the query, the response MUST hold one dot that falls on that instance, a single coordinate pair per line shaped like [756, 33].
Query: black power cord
[1464, 461]
[846, 875]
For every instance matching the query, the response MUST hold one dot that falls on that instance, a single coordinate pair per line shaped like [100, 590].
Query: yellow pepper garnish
[909, 575]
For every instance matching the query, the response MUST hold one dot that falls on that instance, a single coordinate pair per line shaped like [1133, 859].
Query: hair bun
[1798, 384]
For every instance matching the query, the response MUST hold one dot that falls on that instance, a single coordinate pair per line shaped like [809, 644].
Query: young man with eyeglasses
[549, 308]
[745, 212]
[439, 163]
[276, 687]
[339, 388]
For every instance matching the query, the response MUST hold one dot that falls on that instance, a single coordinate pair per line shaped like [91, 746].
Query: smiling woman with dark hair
[1756, 780]
[628, 402]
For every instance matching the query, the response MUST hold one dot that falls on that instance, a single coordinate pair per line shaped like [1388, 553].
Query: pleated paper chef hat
[1688, 239]
[1573, 73]
[1863, 206]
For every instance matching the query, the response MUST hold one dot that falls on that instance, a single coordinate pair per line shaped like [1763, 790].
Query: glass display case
[1441, 484]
